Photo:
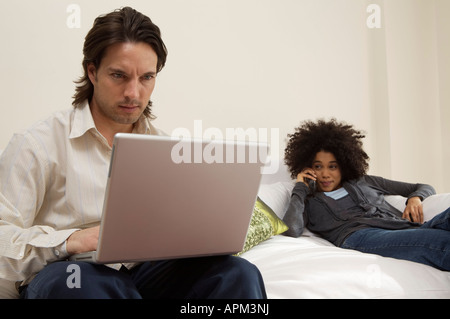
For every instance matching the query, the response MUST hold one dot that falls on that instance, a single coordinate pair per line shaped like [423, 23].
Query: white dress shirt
[52, 183]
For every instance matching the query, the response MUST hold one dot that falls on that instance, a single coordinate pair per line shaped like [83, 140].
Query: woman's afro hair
[338, 138]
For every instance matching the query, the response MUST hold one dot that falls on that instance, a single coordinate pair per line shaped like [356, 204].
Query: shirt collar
[83, 122]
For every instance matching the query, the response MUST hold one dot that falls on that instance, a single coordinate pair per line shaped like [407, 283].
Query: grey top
[363, 207]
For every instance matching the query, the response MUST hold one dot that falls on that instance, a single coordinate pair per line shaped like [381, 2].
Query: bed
[311, 267]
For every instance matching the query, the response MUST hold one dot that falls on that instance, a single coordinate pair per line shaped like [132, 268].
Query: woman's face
[327, 171]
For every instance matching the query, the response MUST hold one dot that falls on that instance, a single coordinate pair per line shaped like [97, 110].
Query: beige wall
[443, 51]
[260, 64]
[413, 85]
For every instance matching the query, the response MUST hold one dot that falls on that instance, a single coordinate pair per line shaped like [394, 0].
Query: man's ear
[92, 72]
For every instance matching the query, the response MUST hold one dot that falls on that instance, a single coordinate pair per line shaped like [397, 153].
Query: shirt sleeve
[294, 217]
[25, 248]
[408, 190]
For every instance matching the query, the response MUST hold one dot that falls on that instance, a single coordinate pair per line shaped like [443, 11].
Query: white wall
[443, 42]
[413, 85]
[259, 64]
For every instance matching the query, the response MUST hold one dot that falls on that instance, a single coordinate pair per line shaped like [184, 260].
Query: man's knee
[242, 267]
[240, 279]
[80, 280]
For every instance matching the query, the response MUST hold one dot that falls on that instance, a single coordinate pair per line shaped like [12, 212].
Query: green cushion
[263, 225]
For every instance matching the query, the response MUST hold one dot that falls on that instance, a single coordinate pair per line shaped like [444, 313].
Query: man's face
[123, 84]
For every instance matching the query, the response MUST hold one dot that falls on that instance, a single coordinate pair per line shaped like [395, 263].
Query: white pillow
[432, 205]
[276, 196]
[435, 204]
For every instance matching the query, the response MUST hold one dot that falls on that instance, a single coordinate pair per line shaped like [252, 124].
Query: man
[53, 178]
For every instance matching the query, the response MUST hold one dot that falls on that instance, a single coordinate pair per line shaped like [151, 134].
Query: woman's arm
[294, 213]
[415, 194]
[391, 187]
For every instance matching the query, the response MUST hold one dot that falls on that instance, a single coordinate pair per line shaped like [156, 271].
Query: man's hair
[338, 138]
[120, 26]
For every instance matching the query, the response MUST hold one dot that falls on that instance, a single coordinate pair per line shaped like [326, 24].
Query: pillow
[432, 205]
[276, 196]
[435, 204]
[263, 225]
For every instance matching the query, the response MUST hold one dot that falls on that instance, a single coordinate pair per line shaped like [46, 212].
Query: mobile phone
[311, 184]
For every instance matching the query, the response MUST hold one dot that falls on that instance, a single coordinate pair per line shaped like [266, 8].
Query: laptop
[169, 198]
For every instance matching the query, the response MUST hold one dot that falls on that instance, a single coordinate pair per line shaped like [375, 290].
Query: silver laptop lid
[177, 198]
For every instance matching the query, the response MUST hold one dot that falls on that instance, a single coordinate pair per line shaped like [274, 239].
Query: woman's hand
[414, 210]
[306, 173]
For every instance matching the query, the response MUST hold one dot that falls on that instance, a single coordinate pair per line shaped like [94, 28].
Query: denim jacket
[363, 207]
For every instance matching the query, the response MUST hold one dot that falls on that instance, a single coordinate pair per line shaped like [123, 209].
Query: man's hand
[83, 240]
[414, 210]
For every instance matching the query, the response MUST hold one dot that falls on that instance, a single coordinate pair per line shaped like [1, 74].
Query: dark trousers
[224, 277]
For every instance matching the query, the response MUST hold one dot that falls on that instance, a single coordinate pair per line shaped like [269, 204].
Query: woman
[335, 198]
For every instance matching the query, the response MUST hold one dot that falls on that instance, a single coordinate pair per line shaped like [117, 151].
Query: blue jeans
[225, 277]
[428, 244]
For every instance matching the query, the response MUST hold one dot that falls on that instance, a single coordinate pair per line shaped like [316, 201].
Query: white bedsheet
[311, 267]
